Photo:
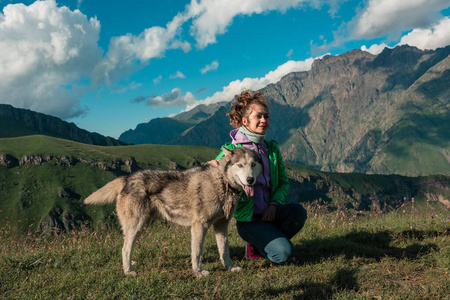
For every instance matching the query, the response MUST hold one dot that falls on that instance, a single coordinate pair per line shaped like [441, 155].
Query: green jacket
[279, 182]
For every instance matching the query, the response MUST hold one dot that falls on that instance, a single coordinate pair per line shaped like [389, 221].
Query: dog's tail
[108, 193]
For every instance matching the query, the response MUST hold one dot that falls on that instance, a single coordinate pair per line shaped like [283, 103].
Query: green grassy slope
[145, 155]
[48, 191]
[418, 141]
[51, 194]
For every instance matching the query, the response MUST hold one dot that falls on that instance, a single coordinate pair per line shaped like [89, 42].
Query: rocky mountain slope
[373, 114]
[357, 112]
[16, 122]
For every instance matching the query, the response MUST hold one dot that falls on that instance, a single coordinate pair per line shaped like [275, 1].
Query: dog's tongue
[249, 190]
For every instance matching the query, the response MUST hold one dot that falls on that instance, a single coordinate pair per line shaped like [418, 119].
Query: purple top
[261, 198]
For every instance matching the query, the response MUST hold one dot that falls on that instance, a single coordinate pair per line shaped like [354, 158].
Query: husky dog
[198, 197]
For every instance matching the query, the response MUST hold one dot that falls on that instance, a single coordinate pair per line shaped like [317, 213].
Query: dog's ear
[227, 151]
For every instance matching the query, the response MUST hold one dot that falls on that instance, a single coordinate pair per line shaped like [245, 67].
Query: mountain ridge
[166, 131]
[21, 122]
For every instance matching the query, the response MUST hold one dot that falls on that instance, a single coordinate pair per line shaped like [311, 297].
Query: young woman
[264, 221]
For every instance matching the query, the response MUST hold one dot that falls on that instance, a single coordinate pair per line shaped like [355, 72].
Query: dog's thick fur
[198, 197]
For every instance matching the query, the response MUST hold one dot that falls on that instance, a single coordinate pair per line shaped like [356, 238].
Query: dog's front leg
[221, 232]
[198, 233]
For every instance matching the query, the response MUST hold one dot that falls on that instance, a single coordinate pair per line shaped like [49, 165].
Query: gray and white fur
[198, 197]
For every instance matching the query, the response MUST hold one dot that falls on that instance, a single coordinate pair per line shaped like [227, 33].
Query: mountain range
[356, 112]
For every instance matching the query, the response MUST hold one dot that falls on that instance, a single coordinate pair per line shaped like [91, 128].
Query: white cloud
[209, 18]
[433, 37]
[44, 51]
[157, 79]
[212, 18]
[211, 67]
[174, 98]
[429, 38]
[375, 49]
[382, 17]
[121, 89]
[178, 74]
[55, 50]
[128, 53]
[237, 86]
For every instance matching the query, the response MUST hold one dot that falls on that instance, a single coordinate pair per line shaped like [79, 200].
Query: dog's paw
[235, 269]
[130, 273]
[200, 274]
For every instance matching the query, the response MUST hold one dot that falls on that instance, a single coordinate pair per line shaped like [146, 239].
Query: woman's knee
[279, 250]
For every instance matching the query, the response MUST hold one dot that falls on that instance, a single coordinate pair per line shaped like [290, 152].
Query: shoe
[251, 252]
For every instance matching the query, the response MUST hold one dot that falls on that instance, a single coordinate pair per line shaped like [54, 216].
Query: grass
[31, 193]
[341, 255]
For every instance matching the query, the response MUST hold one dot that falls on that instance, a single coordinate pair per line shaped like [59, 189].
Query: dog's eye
[240, 166]
[253, 164]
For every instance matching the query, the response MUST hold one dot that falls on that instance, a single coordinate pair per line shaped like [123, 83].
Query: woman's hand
[269, 214]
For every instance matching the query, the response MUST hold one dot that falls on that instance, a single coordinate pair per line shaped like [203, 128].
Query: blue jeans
[273, 239]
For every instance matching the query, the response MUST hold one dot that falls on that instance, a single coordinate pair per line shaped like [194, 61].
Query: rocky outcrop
[360, 192]
[128, 165]
[57, 221]
[8, 161]
[438, 198]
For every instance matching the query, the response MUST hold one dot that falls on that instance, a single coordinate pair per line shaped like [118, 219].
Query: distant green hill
[44, 180]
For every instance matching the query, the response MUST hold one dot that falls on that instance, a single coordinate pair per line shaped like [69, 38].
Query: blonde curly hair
[243, 108]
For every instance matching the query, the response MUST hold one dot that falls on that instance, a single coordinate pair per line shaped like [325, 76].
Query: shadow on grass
[364, 244]
[306, 290]
[344, 279]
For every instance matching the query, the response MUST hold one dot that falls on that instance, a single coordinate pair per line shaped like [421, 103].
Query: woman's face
[258, 119]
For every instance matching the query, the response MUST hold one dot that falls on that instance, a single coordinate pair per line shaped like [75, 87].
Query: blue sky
[109, 65]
